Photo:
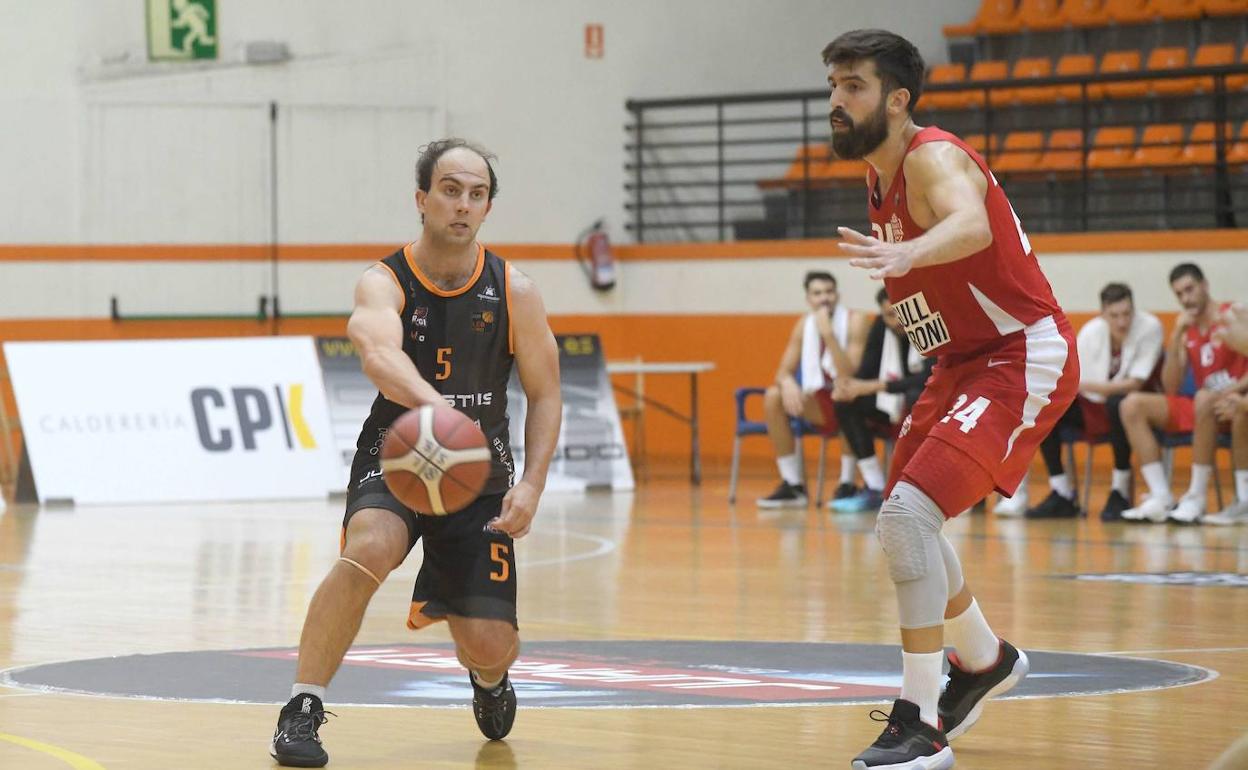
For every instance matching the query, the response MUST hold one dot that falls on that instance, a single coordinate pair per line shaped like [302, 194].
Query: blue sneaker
[866, 500]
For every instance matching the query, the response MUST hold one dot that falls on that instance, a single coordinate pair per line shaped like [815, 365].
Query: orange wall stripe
[1045, 244]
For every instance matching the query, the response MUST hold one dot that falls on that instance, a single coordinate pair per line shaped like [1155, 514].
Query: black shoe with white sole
[296, 742]
[786, 496]
[907, 743]
[963, 699]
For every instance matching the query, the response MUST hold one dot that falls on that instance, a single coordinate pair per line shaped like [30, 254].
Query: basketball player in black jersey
[438, 322]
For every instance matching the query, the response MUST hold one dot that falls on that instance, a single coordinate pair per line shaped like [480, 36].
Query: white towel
[1140, 350]
[817, 367]
[891, 369]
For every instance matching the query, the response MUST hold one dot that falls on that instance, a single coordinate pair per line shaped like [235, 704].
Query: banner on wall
[591, 452]
[174, 420]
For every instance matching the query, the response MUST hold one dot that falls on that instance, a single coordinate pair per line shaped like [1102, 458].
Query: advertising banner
[174, 420]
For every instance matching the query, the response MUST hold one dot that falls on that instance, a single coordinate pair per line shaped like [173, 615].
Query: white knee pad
[953, 565]
[909, 531]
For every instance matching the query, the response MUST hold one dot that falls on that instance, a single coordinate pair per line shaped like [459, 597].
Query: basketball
[435, 460]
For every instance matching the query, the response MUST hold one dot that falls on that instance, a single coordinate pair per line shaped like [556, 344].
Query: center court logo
[238, 417]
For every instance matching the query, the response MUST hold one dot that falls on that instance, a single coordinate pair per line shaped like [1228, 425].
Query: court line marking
[1172, 651]
[76, 761]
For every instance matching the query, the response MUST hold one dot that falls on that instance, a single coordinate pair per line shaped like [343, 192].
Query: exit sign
[181, 30]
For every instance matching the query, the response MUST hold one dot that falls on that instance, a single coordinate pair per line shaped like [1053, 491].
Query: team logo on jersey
[895, 231]
[483, 320]
[420, 317]
[926, 330]
[489, 294]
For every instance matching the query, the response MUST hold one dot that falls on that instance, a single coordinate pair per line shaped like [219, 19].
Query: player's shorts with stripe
[981, 418]
[468, 571]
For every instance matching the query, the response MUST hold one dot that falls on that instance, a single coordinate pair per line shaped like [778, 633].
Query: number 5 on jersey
[969, 417]
[444, 361]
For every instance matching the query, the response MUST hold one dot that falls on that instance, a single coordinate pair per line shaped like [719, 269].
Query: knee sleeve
[953, 566]
[909, 531]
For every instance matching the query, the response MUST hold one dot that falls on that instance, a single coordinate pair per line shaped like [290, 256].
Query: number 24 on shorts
[969, 416]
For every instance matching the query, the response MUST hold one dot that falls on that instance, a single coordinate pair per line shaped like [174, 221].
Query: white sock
[1122, 481]
[872, 473]
[790, 469]
[1155, 476]
[1061, 485]
[484, 685]
[977, 646]
[1200, 479]
[308, 689]
[848, 464]
[920, 682]
[1241, 486]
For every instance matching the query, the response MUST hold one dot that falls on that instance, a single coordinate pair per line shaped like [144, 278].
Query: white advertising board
[174, 420]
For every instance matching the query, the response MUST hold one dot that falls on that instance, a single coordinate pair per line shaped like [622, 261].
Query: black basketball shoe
[845, 489]
[1055, 506]
[494, 709]
[295, 742]
[963, 699]
[786, 496]
[907, 743]
[1115, 504]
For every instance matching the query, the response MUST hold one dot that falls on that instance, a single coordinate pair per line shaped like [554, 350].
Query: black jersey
[461, 342]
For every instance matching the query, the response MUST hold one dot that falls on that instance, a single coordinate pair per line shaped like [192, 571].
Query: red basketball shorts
[980, 419]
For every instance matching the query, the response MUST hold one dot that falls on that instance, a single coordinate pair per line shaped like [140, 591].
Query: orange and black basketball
[435, 460]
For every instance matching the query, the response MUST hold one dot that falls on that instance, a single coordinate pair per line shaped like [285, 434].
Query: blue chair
[747, 427]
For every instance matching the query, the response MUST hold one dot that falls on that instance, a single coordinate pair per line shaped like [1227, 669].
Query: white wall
[511, 75]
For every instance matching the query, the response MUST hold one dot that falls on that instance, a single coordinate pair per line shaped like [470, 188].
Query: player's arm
[376, 329]
[537, 362]
[1175, 364]
[786, 379]
[951, 185]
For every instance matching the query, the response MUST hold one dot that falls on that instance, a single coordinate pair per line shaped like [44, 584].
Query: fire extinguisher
[593, 251]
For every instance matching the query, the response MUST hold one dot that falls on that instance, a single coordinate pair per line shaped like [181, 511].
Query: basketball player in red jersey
[960, 272]
[442, 319]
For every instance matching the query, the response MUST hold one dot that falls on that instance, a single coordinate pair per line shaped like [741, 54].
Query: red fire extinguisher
[593, 251]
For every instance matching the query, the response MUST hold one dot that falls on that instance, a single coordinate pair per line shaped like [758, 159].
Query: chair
[984, 71]
[993, 15]
[1040, 15]
[1224, 7]
[1112, 148]
[1237, 153]
[1200, 149]
[1170, 58]
[1074, 64]
[1130, 11]
[1085, 13]
[942, 74]
[1065, 151]
[1116, 62]
[1177, 10]
[1212, 55]
[1033, 67]
[747, 427]
[1161, 146]
[1021, 152]
[1238, 82]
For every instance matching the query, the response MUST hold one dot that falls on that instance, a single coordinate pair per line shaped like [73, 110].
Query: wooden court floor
[668, 562]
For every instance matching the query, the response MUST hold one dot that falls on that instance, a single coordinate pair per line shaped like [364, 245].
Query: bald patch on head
[463, 166]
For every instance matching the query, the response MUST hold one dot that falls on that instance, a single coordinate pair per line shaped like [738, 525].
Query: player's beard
[854, 142]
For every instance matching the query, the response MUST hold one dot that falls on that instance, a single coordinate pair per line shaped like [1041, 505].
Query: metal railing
[696, 163]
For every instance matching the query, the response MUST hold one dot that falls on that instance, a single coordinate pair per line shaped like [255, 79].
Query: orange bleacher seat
[1085, 13]
[1065, 151]
[795, 174]
[1238, 82]
[1023, 69]
[1200, 149]
[1040, 15]
[1112, 148]
[1160, 146]
[1130, 11]
[1237, 153]
[1224, 7]
[1212, 55]
[976, 142]
[1116, 62]
[994, 17]
[983, 71]
[1177, 10]
[1170, 58]
[1021, 152]
[1075, 64]
[949, 100]
[847, 169]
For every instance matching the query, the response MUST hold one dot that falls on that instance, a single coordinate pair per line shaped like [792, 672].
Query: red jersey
[968, 306]
[1214, 365]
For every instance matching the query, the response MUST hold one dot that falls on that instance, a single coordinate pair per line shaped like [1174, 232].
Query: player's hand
[791, 398]
[1235, 332]
[823, 321]
[884, 260]
[519, 505]
[1185, 319]
[1226, 405]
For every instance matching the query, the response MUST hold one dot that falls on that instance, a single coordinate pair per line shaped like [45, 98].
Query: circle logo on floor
[610, 674]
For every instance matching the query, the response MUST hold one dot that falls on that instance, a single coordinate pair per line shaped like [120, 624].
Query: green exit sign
[181, 30]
